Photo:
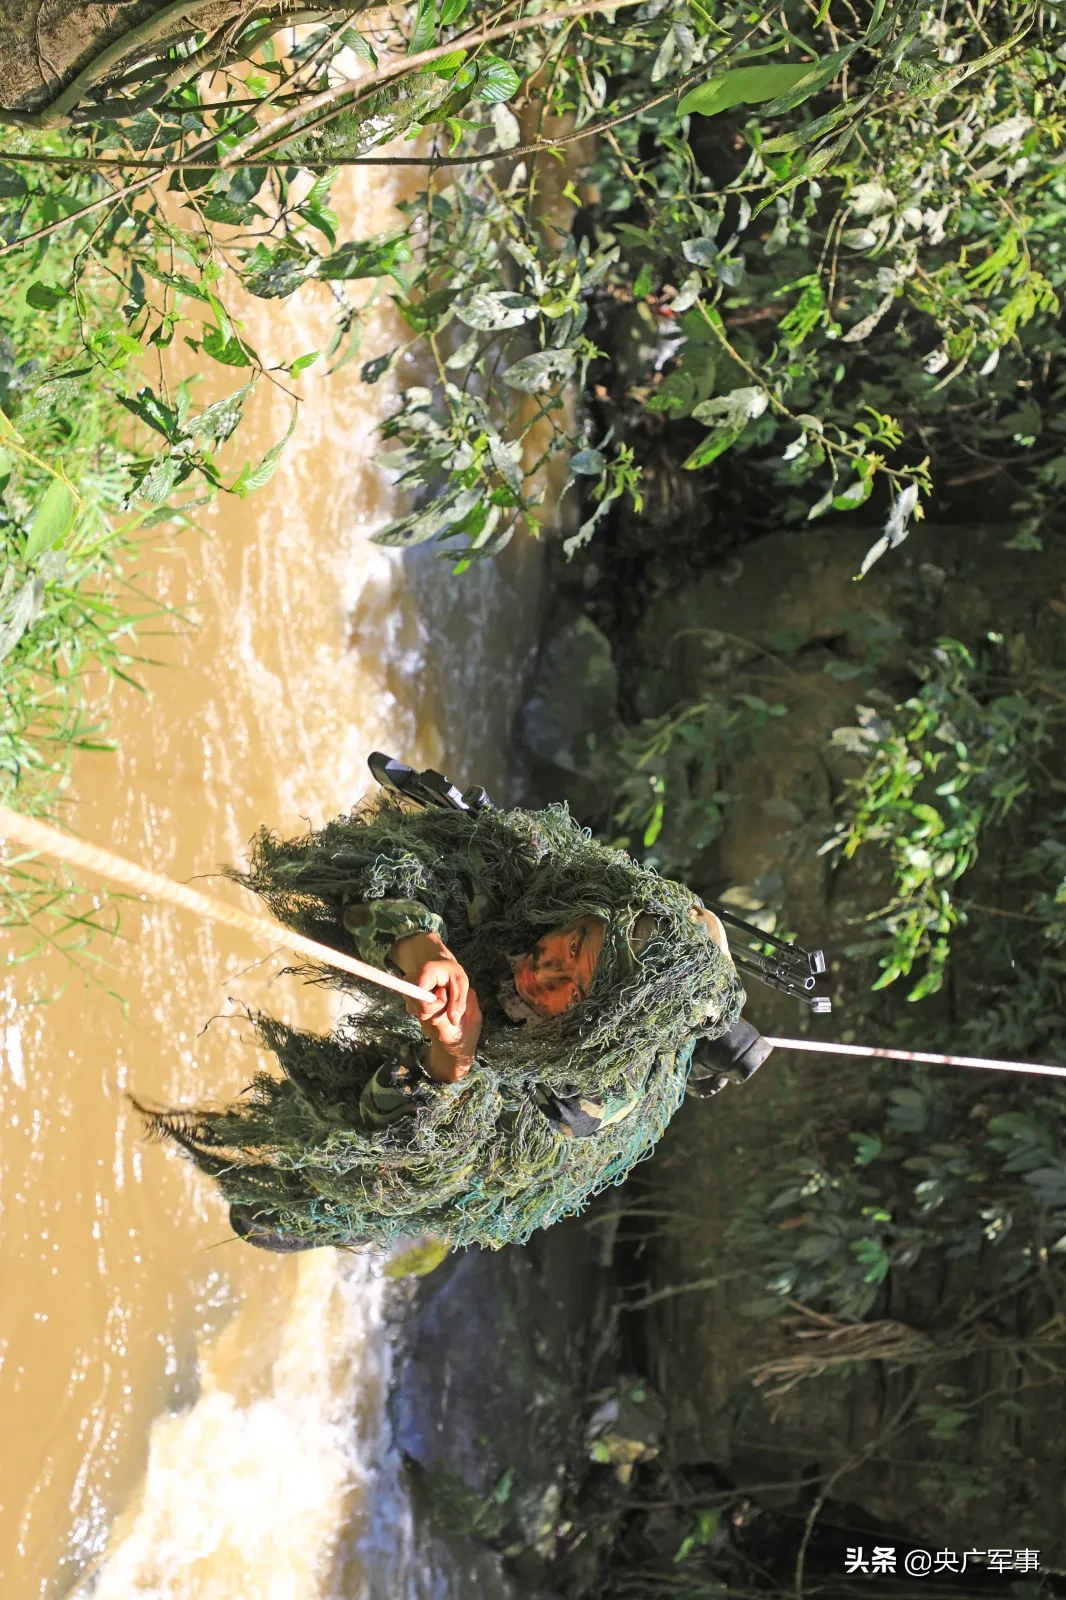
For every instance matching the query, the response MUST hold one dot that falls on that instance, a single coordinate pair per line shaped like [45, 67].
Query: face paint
[559, 970]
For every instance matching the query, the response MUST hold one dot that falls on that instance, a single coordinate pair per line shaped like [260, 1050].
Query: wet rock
[486, 1405]
[569, 723]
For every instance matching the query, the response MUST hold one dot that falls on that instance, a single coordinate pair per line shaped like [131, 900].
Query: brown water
[185, 1416]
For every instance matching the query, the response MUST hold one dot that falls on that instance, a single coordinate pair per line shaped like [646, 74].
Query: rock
[486, 1404]
[570, 721]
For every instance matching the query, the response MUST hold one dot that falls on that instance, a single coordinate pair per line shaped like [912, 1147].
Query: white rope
[820, 1047]
[42, 838]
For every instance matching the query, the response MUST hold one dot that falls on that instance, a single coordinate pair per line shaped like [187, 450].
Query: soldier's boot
[252, 1224]
[733, 1058]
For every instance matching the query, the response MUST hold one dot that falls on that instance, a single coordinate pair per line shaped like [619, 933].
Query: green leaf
[154, 411]
[220, 208]
[371, 371]
[811, 130]
[466, 353]
[734, 409]
[537, 372]
[448, 67]
[712, 447]
[302, 363]
[422, 34]
[872, 27]
[497, 80]
[843, 671]
[813, 78]
[12, 184]
[42, 298]
[438, 517]
[493, 311]
[217, 421]
[747, 86]
[262, 474]
[587, 463]
[930, 984]
[677, 394]
[174, 280]
[505, 126]
[370, 258]
[506, 465]
[231, 352]
[160, 478]
[644, 283]
[54, 519]
[451, 11]
[420, 1260]
[322, 218]
[699, 252]
[821, 505]
[854, 494]
[359, 46]
[273, 274]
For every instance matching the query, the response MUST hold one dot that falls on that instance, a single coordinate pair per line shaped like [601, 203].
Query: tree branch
[359, 87]
[145, 34]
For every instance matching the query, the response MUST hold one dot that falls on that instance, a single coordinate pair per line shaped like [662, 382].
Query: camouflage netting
[480, 1164]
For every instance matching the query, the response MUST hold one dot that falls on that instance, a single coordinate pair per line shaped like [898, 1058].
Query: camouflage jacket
[397, 1088]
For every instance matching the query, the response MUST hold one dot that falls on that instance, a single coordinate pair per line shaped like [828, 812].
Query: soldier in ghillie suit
[572, 987]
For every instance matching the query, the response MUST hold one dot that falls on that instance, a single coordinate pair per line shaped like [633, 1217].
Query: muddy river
[183, 1415]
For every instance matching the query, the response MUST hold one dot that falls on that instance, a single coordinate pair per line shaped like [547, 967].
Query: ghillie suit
[477, 1162]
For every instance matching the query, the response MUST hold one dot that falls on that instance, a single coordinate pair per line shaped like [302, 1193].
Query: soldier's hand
[453, 1046]
[425, 960]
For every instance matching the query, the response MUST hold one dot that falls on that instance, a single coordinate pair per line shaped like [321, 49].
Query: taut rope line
[43, 838]
[821, 1047]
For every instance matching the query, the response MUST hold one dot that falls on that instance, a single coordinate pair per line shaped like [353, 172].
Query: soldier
[572, 988]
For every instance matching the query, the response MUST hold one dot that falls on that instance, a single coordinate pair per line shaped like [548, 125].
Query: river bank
[728, 1438]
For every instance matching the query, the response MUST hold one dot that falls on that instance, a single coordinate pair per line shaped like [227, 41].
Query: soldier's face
[558, 971]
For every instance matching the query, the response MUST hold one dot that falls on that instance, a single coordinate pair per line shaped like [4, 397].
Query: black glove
[731, 1059]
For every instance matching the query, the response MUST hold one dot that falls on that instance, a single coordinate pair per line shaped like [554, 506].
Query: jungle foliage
[825, 239]
[814, 251]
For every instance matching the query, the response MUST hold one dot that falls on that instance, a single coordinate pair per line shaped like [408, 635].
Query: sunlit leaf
[497, 80]
[539, 371]
[53, 521]
[747, 86]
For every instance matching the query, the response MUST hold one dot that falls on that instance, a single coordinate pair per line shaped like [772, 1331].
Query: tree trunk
[45, 44]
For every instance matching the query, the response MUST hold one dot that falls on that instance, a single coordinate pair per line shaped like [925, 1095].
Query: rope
[822, 1048]
[43, 839]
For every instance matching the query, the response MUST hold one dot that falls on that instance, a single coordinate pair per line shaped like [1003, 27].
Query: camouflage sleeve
[375, 926]
[396, 1090]
[579, 1116]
